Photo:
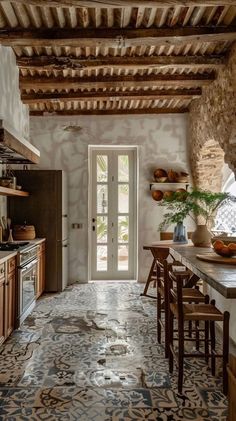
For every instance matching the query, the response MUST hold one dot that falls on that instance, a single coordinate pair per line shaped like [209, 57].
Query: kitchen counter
[5, 255]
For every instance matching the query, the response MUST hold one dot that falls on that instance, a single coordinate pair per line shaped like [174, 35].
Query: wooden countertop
[221, 277]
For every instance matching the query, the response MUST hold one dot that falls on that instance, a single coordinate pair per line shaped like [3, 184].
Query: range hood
[14, 149]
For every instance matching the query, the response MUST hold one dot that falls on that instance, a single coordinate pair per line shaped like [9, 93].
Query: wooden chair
[232, 388]
[207, 313]
[190, 295]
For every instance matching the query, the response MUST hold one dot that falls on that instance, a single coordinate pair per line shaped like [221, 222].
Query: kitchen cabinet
[7, 298]
[10, 298]
[2, 309]
[41, 270]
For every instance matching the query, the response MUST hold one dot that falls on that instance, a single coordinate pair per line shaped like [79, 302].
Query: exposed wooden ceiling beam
[112, 112]
[48, 83]
[100, 62]
[126, 3]
[115, 37]
[176, 94]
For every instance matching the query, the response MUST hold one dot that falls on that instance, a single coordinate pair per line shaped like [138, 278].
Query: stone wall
[213, 128]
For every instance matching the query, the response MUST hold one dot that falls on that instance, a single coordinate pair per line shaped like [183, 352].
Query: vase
[201, 237]
[180, 234]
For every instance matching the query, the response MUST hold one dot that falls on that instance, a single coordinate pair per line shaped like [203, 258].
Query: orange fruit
[232, 246]
[225, 251]
[218, 245]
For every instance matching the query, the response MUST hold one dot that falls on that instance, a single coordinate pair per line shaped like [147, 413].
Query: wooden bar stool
[190, 295]
[159, 254]
[183, 312]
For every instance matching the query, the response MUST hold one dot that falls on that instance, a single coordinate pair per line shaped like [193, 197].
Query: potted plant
[200, 205]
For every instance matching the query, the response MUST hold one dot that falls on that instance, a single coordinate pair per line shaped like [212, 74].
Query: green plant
[196, 203]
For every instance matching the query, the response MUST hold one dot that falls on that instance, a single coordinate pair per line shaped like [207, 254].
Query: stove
[13, 246]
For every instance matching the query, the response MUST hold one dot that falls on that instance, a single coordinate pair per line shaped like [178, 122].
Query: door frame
[134, 148]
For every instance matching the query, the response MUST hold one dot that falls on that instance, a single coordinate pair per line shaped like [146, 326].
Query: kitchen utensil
[10, 238]
[4, 222]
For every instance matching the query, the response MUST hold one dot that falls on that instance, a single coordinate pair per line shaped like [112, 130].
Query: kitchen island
[220, 279]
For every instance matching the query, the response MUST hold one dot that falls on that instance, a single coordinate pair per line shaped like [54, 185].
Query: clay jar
[201, 237]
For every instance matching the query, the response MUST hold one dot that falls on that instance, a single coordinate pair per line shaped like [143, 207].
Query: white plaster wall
[12, 110]
[14, 113]
[162, 144]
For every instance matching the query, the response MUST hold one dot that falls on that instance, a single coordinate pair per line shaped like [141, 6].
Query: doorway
[113, 213]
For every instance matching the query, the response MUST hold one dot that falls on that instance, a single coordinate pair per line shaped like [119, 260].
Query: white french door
[113, 213]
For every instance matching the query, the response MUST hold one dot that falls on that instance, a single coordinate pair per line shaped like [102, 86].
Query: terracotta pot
[201, 237]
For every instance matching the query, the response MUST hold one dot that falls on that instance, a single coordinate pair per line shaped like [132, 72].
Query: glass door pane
[101, 220]
[123, 213]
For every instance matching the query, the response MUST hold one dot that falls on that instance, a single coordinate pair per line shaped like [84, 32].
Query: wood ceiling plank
[113, 111]
[176, 94]
[160, 62]
[125, 3]
[114, 38]
[48, 83]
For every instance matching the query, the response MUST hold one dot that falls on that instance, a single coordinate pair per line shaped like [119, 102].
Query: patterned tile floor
[90, 354]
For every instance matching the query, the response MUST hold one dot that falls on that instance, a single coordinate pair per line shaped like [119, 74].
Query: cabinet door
[41, 271]
[10, 303]
[43, 279]
[2, 310]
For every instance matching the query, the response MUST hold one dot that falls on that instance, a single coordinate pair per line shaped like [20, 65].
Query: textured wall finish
[12, 110]
[162, 143]
[213, 128]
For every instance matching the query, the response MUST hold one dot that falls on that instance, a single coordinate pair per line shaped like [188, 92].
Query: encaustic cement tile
[90, 354]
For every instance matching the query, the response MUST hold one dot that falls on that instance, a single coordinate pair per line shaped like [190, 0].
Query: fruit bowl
[225, 250]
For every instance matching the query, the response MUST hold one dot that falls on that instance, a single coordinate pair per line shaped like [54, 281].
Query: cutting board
[213, 258]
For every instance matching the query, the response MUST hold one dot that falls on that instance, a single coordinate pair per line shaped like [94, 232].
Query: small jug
[180, 234]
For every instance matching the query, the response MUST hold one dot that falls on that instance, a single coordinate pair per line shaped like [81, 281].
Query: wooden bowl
[158, 173]
[161, 179]
[172, 175]
[167, 194]
[157, 195]
[226, 253]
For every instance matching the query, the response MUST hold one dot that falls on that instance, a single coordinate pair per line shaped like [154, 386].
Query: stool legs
[225, 351]
[171, 341]
[180, 356]
[158, 314]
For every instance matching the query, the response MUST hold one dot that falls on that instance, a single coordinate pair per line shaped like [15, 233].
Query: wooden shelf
[6, 191]
[154, 183]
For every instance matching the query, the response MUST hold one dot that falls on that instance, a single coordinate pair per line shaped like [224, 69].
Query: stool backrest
[175, 278]
[169, 235]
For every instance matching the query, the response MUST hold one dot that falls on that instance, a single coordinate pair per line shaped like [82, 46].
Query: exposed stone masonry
[213, 128]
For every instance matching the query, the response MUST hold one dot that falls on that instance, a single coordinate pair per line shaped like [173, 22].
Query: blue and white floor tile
[90, 354]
